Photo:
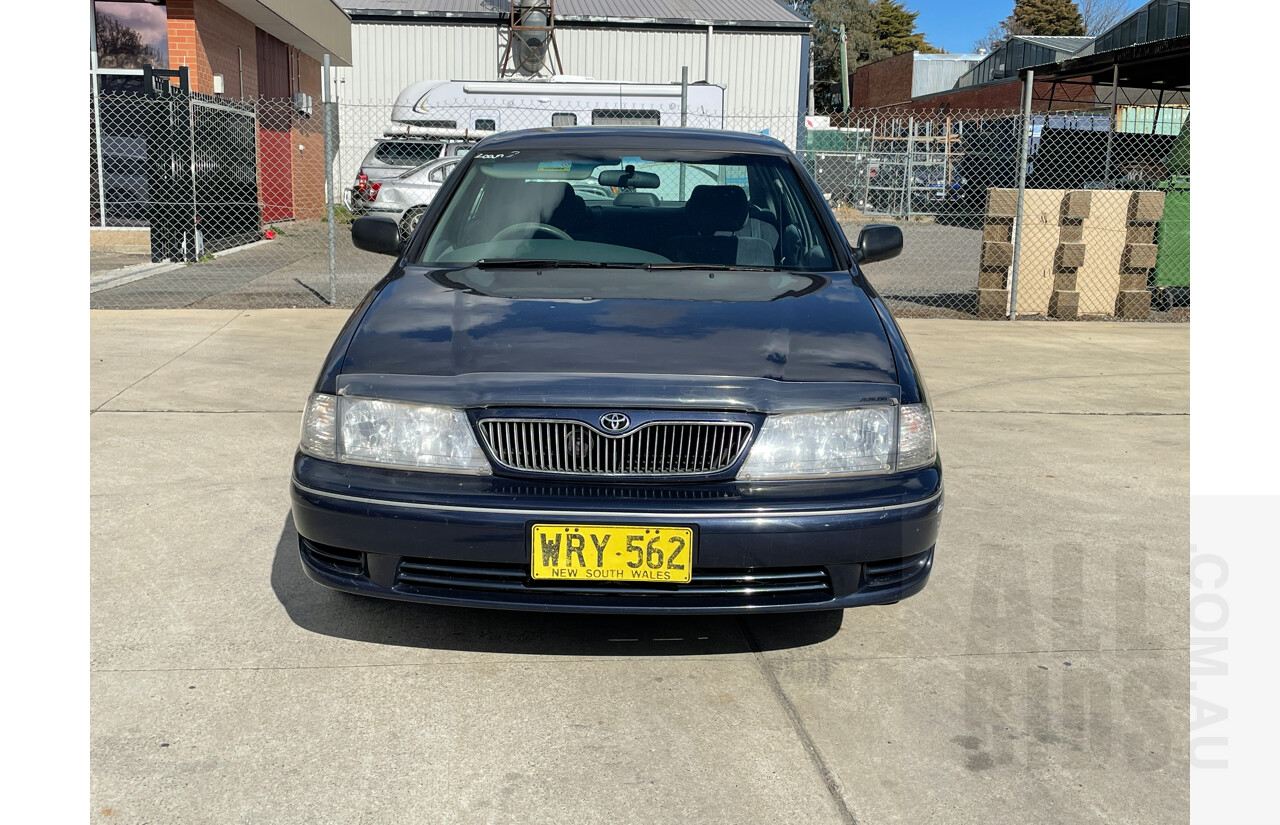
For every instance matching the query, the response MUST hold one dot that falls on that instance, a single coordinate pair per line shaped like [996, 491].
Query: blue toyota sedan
[630, 370]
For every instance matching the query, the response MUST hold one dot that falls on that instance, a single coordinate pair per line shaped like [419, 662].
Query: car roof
[634, 137]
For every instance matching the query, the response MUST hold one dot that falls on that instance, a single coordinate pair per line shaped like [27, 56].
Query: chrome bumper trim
[615, 514]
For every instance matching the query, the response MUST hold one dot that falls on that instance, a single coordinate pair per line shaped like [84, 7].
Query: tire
[409, 223]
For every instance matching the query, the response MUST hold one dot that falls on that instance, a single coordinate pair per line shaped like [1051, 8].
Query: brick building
[913, 82]
[901, 78]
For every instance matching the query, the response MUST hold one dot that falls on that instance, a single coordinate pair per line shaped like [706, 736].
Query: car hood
[449, 327]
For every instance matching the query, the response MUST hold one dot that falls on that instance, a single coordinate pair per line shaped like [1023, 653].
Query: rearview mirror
[878, 242]
[377, 233]
[629, 178]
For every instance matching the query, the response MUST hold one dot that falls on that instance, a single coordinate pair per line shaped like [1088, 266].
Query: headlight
[842, 443]
[391, 433]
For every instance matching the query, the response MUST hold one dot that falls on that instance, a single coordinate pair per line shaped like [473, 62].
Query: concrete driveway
[1040, 677]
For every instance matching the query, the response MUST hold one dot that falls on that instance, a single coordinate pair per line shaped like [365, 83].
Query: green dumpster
[837, 140]
[1173, 234]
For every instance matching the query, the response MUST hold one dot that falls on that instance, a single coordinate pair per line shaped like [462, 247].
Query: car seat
[715, 213]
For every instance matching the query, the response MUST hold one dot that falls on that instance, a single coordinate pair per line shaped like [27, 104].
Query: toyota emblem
[615, 422]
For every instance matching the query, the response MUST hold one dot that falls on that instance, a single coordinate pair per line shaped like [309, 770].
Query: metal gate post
[684, 116]
[1111, 126]
[327, 103]
[197, 242]
[1022, 191]
[684, 96]
[97, 113]
[910, 164]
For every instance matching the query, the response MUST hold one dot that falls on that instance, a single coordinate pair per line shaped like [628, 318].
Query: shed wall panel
[760, 72]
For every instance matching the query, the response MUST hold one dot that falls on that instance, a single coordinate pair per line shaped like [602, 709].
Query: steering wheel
[532, 227]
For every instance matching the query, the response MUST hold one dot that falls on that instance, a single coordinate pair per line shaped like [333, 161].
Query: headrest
[717, 208]
[636, 199]
[570, 212]
[537, 200]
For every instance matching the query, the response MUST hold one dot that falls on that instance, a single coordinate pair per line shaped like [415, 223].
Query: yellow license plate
[593, 552]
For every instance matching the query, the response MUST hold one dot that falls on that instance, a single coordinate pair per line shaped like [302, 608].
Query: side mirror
[377, 233]
[878, 242]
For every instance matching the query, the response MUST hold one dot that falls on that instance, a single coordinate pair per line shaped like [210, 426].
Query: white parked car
[392, 157]
[408, 195]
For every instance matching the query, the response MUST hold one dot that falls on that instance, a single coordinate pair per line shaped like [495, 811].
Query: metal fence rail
[207, 203]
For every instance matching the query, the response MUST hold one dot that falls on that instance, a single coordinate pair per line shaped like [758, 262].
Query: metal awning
[1163, 65]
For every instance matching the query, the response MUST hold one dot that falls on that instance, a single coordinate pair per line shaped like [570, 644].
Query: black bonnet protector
[637, 391]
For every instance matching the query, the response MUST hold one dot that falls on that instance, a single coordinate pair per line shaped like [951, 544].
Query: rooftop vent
[531, 39]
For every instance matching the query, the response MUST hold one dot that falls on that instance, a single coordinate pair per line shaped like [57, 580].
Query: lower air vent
[333, 559]
[723, 586]
[896, 571]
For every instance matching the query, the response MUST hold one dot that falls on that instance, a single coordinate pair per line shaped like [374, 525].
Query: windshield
[658, 209]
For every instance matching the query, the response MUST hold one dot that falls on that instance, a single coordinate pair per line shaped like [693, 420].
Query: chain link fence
[200, 202]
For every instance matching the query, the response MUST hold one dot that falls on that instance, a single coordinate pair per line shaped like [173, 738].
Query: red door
[275, 140]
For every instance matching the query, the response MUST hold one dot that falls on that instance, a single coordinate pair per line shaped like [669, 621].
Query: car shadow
[405, 624]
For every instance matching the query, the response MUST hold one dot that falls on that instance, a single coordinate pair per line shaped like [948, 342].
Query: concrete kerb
[137, 272]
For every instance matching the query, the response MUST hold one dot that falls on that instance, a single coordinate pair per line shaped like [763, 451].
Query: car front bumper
[442, 539]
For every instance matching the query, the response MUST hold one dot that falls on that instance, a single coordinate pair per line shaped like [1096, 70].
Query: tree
[1050, 17]
[896, 29]
[859, 19]
[875, 30]
[999, 33]
[1044, 17]
[120, 47]
[1100, 15]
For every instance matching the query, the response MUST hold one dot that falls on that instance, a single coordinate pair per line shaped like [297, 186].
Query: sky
[955, 24]
[147, 19]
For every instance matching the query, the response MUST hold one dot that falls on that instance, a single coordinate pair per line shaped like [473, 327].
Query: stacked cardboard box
[997, 253]
[1081, 252]
[1139, 257]
[1064, 302]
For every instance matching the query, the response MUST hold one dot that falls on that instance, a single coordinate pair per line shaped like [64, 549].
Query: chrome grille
[658, 448]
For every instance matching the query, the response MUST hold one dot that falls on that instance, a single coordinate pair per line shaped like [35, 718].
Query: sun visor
[555, 169]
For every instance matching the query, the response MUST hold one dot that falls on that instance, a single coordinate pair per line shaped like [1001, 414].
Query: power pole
[844, 68]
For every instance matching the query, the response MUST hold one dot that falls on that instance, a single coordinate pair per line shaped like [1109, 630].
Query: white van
[465, 109]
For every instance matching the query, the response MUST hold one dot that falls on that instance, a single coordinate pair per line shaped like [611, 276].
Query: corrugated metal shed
[1157, 20]
[1018, 53]
[755, 49]
[764, 72]
[753, 13]
[933, 73]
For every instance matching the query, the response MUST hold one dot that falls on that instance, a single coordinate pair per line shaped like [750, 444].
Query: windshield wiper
[555, 263]
[713, 267]
[540, 263]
